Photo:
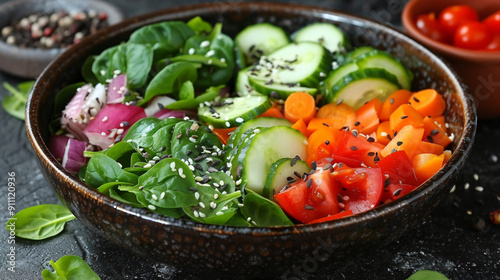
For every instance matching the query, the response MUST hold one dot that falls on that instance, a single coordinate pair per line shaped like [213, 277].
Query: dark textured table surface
[452, 240]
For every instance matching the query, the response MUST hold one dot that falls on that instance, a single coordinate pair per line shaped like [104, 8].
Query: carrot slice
[318, 123]
[300, 105]
[428, 102]
[407, 140]
[393, 102]
[223, 133]
[426, 165]
[441, 122]
[341, 115]
[427, 148]
[367, 116]
[434, 133]
[272, 112]
[447, 156]
[301, 126]
[384, 133]
[321, 144]
[405, 115]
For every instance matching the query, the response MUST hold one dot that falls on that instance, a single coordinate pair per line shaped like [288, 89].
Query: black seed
[391, 101]
[389, 137]
[430, 139]
[284, 188]
[340, 198]
[309, 183]
[370, 154]
[355, 133]
[238, 170]
[211, 169]
[201, 157]
[325, 124]
[274, 95]
[356, 123]
[216, 162]
[308, 207]
[327, 142]
[163, 148]
[395, 134]
[193, 189]
[341, 164]
[399, 143]
[297, 174]
[327, 166]
[434, 132]
[314, 166]
[387, 182]
[416, 99]
[297, 157]
[393, 151]
[274, 191]
[290, 180]
[376, 158]
[340, 101]
[397, 192]
[198, 166]
[165, 156]
[354, 148]
[160, 106]
[189, 152]
[404, 117]
[293, 161]
[371, 139]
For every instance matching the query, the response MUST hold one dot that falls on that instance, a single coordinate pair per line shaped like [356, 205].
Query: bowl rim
[41, 148]
[408, 17]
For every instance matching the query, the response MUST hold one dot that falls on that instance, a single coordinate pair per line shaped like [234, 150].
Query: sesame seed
[239, 120]
[228, 124]
[196, 214]
[162, 195]
[205, 44]
[476, 177]
[155, 197]
[383, 134]
[197, 195]
[466, 186]
[308, 207]
[397, 192]
[434, 132]
[152, 207]
[404, 117]
[219, 213]
[202, 205]
[202, 215]
[172, 166]
[354, 148]
[479, 188]
[105, 119]
[191, 51]
[453, 189]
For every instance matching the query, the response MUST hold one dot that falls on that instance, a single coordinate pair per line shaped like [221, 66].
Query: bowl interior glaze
[265, 251]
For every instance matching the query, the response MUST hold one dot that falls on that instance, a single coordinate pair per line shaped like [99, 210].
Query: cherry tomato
[454, 16]
[494, 44]
[430, 26]
[472, 35]
[493, 22]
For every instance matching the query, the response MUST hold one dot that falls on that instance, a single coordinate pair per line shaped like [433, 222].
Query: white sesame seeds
[181, 173]
[249, 219]
[453, 189]
[103, 133]
[224, 208]
[239, 120]
[205, 44]
[383, 134]
[197, 195]
[196, 214]
[219, 213]
[210, 53]
[191, 51]
[216, 196]
[476, 177]
[240, 205]
[202, 205]
[202, 215]
[162, 195]
[192, 139]
[154, 197]
[494, 158]
[228, 124]
[198, 178]
[213, 205]
[152, 207]
[479, 188]
[172, 166]
[104, 119]
[466, 186]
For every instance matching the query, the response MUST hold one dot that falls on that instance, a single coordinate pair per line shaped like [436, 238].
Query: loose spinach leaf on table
[70, 267]
[15, 103]
[41, 221]
[102, 169]
[263, 211]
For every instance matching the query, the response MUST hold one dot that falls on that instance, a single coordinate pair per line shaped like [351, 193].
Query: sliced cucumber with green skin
[359, 87]
[264, 149]
[277, 91]
[280, 174]
[255, 123]
[302, 64]
[242, 85]
[381, 59]
[231, 112]
[356, 53]
[327, 34]
[337, 75]
[260, 39]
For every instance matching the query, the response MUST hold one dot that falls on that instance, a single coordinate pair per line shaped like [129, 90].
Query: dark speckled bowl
[290, 250]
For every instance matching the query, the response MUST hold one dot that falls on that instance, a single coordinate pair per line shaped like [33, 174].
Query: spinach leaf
[208, 95]
[15, 103]
[164, 38]
[427, 275]
[102, 169]
[135, 60]
[70, 267]
[263, 212]
[166, 185]
[121, 152]
[196, 58]
[41, 221]
[237, 220]
[187, 90]
[86, 71]
[199, 26]
[170, 79]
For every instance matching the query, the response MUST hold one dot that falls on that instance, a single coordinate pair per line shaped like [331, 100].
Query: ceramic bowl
[29, 62]
[265, 251]
[480, 70]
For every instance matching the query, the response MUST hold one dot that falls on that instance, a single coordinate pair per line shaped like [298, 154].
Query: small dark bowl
[30, 62]
[265, 251]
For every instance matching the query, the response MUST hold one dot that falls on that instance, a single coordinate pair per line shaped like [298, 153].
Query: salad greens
[70, 267]
[16, 102]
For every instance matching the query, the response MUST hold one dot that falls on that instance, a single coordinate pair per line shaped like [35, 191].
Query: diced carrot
[300, 105]
[407, 140]
[384, 133]
[367, 116]
[447, 156]
[405, 115]
[321, 143]
[427, 148]
[426, 165]
[428, 102]
[301, 126]
[272, 112]
[318, 123]
[341, 114]
[223, 133]
[441, 122]
[393, 102]
[435, 133]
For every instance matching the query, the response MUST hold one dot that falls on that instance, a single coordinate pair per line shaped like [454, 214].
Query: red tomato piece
[431, 27]
[453, 16]
[398, 167]
[493, 22]
[310, 199]
[395, 191]
[360, 190]
[358, 148]
[494, 45]
[472, 35]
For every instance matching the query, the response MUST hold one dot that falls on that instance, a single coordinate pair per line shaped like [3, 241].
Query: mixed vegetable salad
[266, 129]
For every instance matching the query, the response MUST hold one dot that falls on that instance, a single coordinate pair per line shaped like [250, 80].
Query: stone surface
[448, 241]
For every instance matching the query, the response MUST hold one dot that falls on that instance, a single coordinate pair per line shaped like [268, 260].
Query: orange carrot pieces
[321, 143]
[447, 156]
[427, 148]
[301, 126]
[300, 105]
[428, 102]
[384, 133]
[407, 140]
[441, 122]
[340, 114]
[426, 165]
[318, 123]
[272, 112]
[223, 133]
[395, 100]
[405, 115]
[434, 133]
[367, 119]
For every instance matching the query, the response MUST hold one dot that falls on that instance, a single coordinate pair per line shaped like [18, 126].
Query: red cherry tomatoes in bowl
[453, 16]
[472, 35]
[430, 26]
[493, 23]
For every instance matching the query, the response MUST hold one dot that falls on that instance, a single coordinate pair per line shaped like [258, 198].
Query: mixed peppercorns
[53, 30]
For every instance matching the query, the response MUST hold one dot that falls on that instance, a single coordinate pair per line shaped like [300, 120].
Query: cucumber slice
[356, 53]
[359, 87]
[280, 174]
[242, 85]
[304, 64]
[231, 112]
[255, 123]
[327, 34]
[337, 75]
[381, 59]
[264, 149]
[260, 39]
[277, 91]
